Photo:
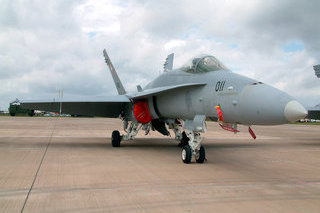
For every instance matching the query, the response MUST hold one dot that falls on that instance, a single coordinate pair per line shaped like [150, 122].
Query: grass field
[307, 123]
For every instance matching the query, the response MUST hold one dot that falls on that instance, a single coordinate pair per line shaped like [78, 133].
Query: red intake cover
[141, 113]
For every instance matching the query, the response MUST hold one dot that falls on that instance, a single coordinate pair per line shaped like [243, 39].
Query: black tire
[186, 154]
[201, 155]
[184, 141]
[115, 138]
[12, 114]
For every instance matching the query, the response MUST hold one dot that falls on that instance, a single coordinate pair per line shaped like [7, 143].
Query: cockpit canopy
[206, 63]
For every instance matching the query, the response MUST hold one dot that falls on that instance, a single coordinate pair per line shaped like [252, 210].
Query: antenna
[60, 98]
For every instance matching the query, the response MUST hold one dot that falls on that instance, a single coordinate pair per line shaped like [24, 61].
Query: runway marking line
[36, 175]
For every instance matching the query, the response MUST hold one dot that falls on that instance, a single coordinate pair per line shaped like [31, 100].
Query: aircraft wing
[158, 90]
[111, 106]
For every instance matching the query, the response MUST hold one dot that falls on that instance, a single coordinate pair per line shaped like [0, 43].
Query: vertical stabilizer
[114, 74]
[168, 64]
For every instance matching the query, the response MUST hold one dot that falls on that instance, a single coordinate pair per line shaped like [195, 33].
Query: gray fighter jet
[182, 100]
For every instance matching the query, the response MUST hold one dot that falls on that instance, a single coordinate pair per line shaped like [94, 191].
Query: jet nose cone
[294, 111]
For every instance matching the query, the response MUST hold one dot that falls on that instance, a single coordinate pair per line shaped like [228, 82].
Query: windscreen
[203, 64]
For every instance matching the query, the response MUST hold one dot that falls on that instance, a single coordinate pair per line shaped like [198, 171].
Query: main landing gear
[132, 131]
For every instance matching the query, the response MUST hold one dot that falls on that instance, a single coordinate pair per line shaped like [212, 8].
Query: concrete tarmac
[68, 165]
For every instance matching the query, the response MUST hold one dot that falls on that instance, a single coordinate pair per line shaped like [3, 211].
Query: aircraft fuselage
[242, 100]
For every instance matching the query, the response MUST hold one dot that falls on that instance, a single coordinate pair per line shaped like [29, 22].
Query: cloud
[45, 46]
[173, 44]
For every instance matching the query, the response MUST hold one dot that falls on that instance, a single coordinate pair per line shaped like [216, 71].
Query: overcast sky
[47, 45]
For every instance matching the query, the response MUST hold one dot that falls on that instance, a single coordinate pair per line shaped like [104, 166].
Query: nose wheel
[200, 155]
[193, 148]
[186, 154]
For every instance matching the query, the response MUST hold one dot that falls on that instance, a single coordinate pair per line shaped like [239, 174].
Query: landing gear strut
[184, 140]
[179, 135]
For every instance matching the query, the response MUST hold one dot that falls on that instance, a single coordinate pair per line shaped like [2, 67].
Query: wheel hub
[183, 154]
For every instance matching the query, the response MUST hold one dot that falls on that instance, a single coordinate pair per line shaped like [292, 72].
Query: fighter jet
[183, 100]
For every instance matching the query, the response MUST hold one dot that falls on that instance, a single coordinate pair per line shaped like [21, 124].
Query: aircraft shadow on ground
[103, 143]
[311, 143]
[149, 143]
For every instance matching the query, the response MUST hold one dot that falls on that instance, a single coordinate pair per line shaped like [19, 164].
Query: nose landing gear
[193, 148]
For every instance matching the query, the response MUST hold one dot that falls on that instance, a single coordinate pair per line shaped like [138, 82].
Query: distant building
[317, 70]
[314, 112]
[4, 112]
